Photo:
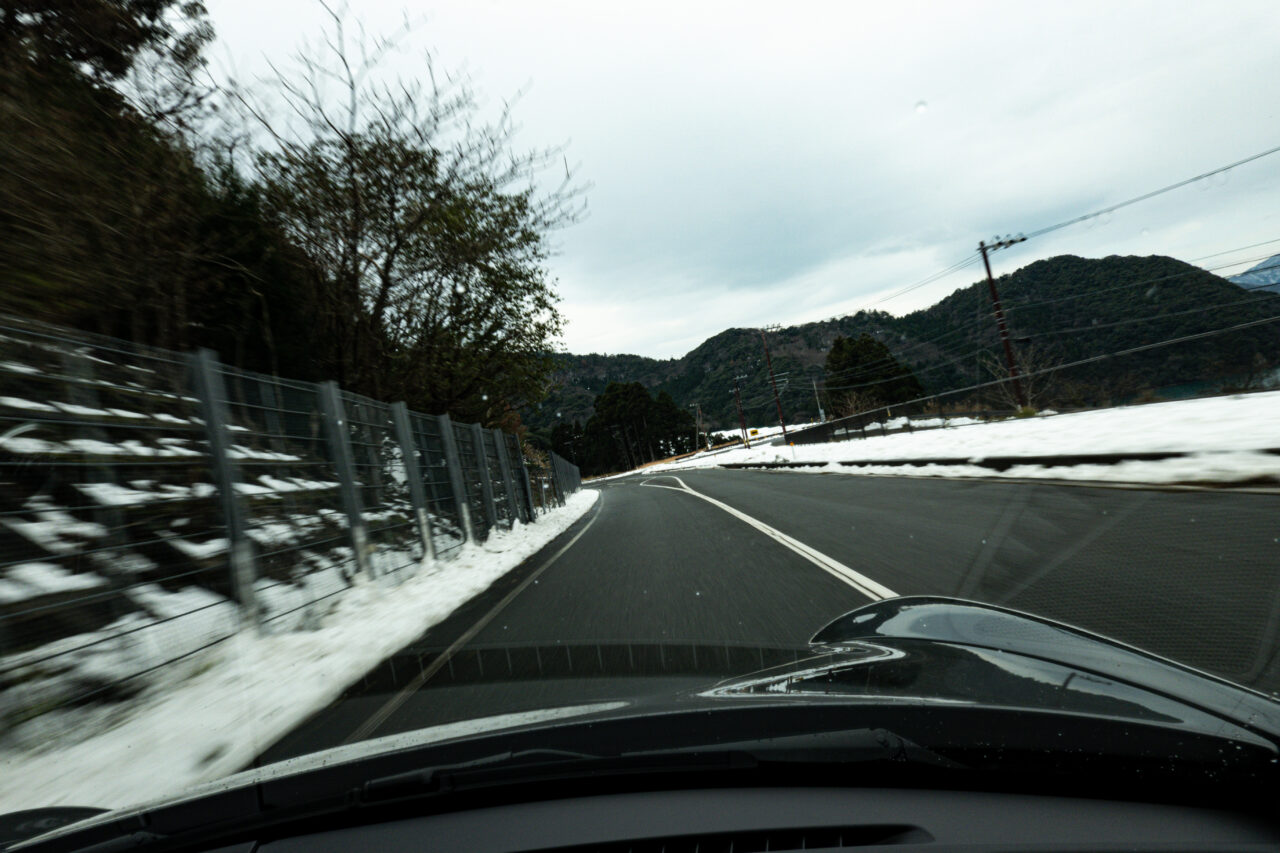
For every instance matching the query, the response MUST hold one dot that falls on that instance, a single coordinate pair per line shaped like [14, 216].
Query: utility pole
[1000, 324]
[742, 419]
[774, 382]
[697, 425]
[822, 416]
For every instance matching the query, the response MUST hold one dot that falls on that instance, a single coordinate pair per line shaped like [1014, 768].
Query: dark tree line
[395, 243]
[629, 428]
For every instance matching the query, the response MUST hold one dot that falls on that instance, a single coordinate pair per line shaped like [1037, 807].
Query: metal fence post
[209, 388]
[557, 480]
[528, 487]
[486, 480]
[335, 424]
[413, 474]
[456, 484]
[504, 465]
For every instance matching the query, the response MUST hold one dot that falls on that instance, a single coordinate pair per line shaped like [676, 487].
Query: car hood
[930, 649]
[911, 651]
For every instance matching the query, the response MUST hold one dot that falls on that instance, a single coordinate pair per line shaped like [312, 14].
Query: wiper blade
[535, 766]
[845, 747]
[241, 814]
[838, 747]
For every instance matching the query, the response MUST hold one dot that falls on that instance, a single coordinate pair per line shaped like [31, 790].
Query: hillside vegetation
[1060, 310]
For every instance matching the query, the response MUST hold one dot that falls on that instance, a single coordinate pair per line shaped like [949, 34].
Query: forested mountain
[1060, 310]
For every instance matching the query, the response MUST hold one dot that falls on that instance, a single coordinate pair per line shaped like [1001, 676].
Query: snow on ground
[1225, 435]
[237, 698]
[767, 432]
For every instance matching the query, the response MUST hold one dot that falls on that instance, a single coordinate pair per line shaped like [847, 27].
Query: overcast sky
[758, 163]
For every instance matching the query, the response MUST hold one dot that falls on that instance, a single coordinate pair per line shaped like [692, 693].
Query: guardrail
[153, 504]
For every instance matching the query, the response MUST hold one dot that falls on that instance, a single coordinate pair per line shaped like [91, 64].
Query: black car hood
[920, 665]
[946, 650]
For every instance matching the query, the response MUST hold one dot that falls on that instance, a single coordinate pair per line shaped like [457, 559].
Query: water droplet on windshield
[921, 107]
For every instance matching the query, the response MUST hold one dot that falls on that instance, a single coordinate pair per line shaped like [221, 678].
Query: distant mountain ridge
[1065, 308]
[1263, 276]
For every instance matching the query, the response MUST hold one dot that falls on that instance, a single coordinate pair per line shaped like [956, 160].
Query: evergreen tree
[864, 369]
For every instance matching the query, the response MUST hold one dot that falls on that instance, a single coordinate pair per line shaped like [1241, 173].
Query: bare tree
[848, 403]
[430, 232]
[1037, 373]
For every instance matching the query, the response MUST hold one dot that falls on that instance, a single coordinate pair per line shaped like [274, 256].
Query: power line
[917, 345]
[853, 371]
[982, 318]
[984, 315]
[1146, 281]
[1154, 193]
[1166, 314]
[929, 279]
[940, 274]
[901, 353]
[1083, 361]
[926, 369]
[1065, 331]
[1241, 249]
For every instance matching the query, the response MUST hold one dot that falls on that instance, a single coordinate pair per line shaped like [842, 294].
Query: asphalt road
[664, 582]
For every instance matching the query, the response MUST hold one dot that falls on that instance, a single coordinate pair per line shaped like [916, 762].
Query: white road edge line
[863, 584]
[380, 716]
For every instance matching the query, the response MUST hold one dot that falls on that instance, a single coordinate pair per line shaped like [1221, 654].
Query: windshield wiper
[837, 747]
[241, 814]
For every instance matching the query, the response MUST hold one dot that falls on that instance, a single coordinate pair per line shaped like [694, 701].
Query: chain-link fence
[153, 504]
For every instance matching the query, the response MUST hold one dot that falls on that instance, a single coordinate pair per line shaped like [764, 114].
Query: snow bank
[1226, 437]
[237, 698]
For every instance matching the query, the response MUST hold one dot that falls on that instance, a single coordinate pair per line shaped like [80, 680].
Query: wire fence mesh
[153, 504]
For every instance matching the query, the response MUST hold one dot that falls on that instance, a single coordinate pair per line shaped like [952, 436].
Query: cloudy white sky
[758, 163]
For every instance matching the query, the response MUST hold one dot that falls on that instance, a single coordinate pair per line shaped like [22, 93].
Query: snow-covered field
[1225, 439]
[209, 718]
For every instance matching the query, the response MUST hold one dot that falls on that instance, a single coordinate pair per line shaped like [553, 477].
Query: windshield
[372, 377]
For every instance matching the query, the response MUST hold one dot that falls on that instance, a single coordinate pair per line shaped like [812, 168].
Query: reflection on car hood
[927, 648]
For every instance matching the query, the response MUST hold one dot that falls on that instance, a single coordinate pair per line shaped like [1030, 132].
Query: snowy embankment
[1217, 440]
[762, 433]
[243, 694]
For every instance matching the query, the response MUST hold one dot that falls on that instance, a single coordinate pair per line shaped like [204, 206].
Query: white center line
[863, 584]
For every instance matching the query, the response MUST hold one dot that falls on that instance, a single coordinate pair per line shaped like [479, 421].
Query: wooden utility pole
[742, 419]
[774, 382]
[1000, 323]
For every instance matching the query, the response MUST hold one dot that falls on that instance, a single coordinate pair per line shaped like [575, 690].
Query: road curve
[716, 572]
